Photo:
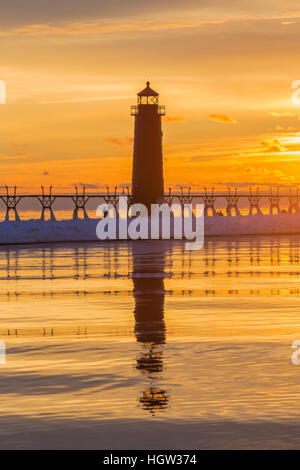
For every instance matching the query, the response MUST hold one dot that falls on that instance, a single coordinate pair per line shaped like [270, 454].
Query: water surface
[147, 345]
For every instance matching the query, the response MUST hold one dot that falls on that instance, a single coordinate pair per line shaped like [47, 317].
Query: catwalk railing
[11, 200]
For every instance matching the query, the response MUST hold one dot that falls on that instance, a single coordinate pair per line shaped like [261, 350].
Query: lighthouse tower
[147, 173]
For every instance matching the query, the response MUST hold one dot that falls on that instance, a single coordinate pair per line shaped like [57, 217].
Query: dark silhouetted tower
[147, 173]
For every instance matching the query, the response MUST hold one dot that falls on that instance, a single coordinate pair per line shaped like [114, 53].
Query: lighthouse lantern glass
[147, 99]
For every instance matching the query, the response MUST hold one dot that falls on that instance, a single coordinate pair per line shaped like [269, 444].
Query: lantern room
[147, 96]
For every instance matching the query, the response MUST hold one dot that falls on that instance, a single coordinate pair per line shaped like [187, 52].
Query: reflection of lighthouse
[147, 174]
[148, 289]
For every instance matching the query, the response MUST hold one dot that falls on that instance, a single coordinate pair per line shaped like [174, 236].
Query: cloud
[16, 156]
[286, 129]
[258, 171]
[100, 27]
[120, 142]
[97, 20]
[222, 118]
[19, 145]
[273, 145]
[87, 185]
[87, 99]
[281, 114]
[174, 119]
[40, 11]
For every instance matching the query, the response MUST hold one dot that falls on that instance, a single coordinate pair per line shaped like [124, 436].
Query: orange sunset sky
[224, 70]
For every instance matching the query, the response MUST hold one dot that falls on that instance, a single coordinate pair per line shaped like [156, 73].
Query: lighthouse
[147, 172]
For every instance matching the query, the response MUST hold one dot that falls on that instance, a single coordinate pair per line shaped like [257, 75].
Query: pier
[253, 199]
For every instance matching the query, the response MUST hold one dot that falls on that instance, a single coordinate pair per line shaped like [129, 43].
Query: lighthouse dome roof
[148, 91]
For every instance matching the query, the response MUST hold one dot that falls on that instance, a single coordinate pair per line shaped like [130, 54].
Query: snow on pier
[41, 231]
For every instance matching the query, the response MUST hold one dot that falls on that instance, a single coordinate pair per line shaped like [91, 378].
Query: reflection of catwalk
[148, 290]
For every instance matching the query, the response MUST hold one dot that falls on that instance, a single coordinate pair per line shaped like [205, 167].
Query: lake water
[126, 345]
